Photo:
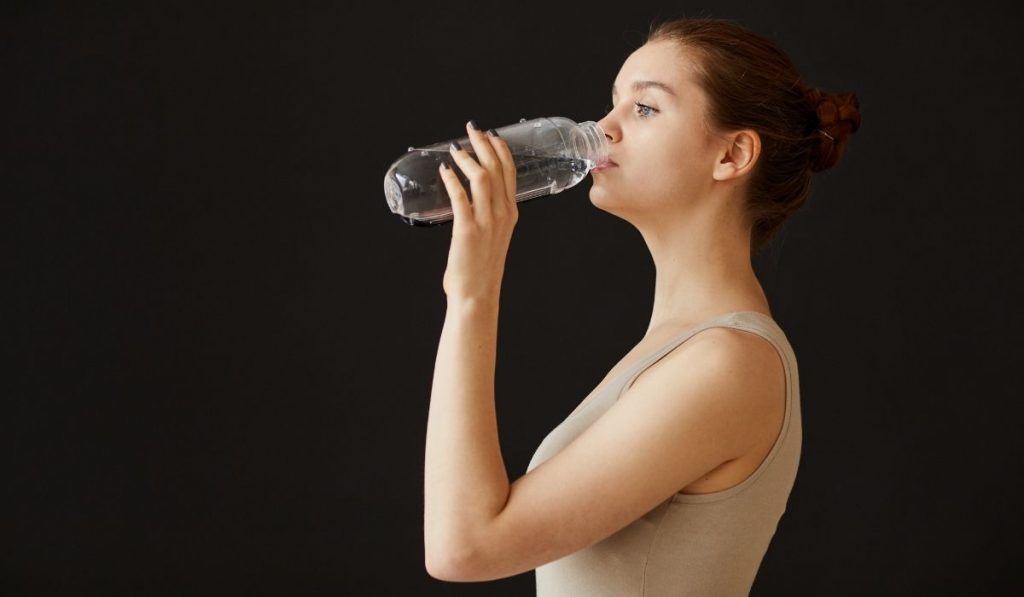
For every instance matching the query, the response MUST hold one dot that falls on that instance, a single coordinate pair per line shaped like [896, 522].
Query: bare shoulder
[739, 372]
[749, 351]
[726, 347]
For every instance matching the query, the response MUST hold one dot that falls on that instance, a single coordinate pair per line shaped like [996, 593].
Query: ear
[738, 155]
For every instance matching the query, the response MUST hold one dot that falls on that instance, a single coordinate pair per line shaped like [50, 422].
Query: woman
[671, 477]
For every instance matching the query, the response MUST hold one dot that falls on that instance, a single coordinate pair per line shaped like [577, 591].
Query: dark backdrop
[218, 342]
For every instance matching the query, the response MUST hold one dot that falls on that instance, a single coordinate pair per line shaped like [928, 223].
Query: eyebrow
[639, 85]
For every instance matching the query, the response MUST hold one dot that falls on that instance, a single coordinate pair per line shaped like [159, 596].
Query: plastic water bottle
[551, 154]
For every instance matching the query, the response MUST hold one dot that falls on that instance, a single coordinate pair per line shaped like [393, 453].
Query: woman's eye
[641, 108]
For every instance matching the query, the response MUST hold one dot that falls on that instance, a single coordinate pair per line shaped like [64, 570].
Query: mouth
[604, 164]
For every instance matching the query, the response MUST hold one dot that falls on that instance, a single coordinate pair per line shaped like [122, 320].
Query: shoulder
[724, 372]
[733, 348]
[722, 347]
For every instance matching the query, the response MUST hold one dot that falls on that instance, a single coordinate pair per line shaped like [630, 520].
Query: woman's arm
[465, 481]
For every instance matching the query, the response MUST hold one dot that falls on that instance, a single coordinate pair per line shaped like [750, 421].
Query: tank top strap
[747, 320]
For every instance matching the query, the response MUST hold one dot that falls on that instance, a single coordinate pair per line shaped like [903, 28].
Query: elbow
[451, 564]
[442, 571]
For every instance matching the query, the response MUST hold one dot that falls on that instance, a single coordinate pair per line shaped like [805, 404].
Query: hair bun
[838, 116]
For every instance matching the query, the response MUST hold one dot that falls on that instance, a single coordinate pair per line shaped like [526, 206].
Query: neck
[703, 269]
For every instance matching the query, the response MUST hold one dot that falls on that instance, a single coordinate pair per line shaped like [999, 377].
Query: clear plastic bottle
[551, 154]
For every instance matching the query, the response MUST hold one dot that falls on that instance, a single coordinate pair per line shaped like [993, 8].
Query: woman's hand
[482, 230]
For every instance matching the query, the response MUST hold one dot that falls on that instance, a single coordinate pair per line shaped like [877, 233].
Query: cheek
[687, 151]
[672, 167]
[677, 167]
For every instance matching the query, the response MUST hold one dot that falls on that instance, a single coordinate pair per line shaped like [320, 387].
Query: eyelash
[609, 107]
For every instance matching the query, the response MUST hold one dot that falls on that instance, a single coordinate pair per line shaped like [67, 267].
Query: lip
[604, 165]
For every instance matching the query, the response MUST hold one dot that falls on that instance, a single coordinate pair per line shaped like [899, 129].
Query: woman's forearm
[465, 481]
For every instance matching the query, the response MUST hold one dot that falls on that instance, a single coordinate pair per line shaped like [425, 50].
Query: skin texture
[681, 184]
[705, 413]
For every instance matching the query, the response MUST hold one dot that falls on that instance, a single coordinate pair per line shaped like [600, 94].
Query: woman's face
[663, 150]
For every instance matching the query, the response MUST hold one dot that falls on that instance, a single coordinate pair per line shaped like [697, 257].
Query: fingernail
[472, 125]
[492, 132]
[455, 146]
[444, 164]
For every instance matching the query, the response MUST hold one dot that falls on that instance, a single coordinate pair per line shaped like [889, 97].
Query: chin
[597, 197]
[605, 201]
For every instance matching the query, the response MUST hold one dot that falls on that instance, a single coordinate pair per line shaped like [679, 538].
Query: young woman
[671, 476]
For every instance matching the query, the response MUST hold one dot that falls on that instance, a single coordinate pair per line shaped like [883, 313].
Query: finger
[486, 157]
[462, 211]
[508, 164]
[479, 182]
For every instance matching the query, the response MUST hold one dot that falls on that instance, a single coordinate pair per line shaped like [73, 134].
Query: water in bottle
[551, 154]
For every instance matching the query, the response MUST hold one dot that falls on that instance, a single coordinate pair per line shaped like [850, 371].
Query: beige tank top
[706, 544]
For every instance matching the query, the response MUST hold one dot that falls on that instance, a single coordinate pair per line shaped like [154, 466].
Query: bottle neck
[589, 142]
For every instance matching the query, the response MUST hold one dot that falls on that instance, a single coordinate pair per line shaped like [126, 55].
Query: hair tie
[826, 134]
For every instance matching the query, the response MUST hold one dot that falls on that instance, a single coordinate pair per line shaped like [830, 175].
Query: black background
[218, 342]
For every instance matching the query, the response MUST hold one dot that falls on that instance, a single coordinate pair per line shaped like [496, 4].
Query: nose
[610, 128]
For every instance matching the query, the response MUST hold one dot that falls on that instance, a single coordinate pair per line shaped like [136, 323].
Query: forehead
[661, 62]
